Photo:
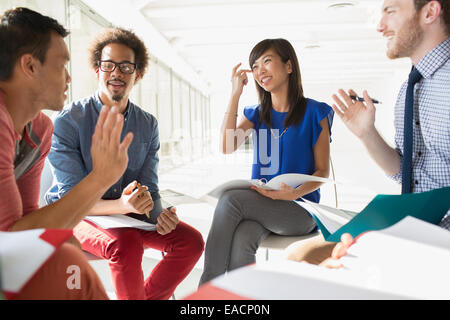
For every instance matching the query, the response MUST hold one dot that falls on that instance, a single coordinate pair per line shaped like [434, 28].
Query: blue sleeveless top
[293, 151]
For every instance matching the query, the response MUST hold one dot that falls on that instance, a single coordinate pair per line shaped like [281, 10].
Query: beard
[117, 97]
[407, 40]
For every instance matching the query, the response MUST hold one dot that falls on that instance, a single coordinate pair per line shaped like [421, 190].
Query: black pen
[362, 99]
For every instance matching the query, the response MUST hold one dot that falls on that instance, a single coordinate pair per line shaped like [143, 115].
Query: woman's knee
[248, 236]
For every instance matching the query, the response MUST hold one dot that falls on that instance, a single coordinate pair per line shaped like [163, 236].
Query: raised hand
[239, 79]
[359, 117]
[109, 155]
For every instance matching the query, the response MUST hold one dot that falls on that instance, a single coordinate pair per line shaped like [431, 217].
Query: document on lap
[291, 179]
[120, 221]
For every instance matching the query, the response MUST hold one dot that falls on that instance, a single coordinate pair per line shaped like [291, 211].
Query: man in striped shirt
[33, 77]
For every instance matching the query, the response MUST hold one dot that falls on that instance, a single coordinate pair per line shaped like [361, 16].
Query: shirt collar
[99, 104]
[434, 59]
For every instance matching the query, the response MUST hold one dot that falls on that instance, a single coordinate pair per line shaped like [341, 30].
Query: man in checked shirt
[419, 30]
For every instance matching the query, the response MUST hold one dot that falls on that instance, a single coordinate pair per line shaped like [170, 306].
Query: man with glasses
[120, 60]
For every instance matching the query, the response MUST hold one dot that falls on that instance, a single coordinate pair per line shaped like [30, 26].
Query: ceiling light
[340, 5]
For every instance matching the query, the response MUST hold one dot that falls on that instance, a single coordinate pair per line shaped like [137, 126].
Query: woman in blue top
[291, 134]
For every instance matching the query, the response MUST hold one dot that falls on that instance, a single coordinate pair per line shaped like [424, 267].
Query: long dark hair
[296, 99]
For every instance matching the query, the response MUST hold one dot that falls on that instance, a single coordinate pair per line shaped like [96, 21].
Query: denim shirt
[70, 155]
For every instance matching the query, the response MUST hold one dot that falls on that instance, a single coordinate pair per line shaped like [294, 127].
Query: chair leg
[173, 295]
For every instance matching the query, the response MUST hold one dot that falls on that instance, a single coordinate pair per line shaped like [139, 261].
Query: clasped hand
[167, 221]
[137, 199]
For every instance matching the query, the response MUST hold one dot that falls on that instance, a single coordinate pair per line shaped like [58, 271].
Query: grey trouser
[242, 219]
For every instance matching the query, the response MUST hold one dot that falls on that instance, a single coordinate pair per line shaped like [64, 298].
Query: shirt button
[417, 123]
[416, 182]
[419, 153]
[115, 190]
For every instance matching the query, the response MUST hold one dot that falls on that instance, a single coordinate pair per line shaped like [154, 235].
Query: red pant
[124, 247]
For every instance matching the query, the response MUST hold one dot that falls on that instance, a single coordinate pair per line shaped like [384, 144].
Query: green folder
[386, 210]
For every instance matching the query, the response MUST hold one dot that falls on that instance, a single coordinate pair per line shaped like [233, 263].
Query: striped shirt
[431, 127]
[21, 164]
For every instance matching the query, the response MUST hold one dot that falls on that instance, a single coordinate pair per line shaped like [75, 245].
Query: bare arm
[321, 152]
[233, 136]
[109, 157]
[360, 120]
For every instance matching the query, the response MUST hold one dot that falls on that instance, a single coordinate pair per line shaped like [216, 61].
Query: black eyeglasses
[110, 66]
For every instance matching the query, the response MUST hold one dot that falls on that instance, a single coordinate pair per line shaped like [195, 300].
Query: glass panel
[146, 89]
[164, 104]
[186, 120]
[83, 30]
[53, 8]
[176, 101]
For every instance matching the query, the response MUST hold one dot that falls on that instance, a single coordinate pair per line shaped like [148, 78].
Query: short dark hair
[24, 31]
[120, 36]
[445, 4]
[296, 98]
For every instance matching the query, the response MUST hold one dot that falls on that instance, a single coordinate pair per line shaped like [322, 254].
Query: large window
[54, 8]
[84, 25]
[182, 111]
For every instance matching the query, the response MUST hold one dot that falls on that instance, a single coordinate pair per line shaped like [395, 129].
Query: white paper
[120, 221]
[409, 260]
[332, 218]
[291, 179]
[21, 254]
[287, 280]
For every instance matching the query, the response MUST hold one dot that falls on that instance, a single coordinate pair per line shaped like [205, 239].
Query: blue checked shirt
[431, 127]
[70, 154]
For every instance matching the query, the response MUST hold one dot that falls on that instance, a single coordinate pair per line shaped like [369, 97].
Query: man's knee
[126, 245]
[190, 239]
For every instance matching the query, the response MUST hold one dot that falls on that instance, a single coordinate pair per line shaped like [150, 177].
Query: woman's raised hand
[239, 79]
